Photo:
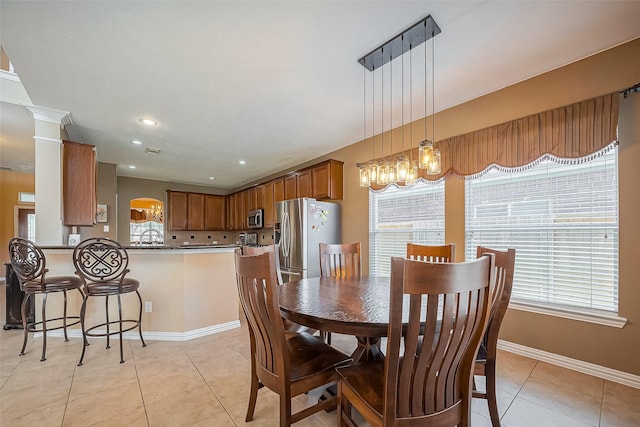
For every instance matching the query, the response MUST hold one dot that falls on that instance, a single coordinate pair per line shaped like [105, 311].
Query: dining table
[357, 306]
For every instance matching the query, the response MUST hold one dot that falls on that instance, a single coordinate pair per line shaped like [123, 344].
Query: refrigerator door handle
[285, 235]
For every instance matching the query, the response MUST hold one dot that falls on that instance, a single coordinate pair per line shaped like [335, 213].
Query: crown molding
[9, 76]
[50, 115]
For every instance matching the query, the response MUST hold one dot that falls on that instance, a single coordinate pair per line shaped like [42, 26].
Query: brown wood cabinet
[177, 208]
[252, 195]
[240, 215]
[195, 211]
[290, 187]
[79, 191]
[278, 190]
[215, 210]
[327, 180]
[304, 183]
[267, 205]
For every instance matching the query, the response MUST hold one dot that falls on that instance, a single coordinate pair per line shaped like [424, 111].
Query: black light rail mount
[413, 36]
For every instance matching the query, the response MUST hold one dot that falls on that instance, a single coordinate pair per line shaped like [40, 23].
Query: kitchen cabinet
[267, 205]
[79, 190]
[278, 190]
[231, 214]
[327, 180]
[177, 208]
[195, 211]
[240, 215]
[304, 183]
[215, 211]
[290, 186]
[252, 195]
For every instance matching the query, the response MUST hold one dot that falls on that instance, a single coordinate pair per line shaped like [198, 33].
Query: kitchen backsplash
[178, 238]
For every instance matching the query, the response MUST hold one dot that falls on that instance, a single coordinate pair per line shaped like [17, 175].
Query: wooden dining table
[351, 306]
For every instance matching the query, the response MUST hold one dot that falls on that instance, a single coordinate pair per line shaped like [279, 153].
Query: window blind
[401, 215]
[562, 219]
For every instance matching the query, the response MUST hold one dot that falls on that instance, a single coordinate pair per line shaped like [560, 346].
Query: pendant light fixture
[400, 169]
[412, 174]
[365, 180]
[435, 165]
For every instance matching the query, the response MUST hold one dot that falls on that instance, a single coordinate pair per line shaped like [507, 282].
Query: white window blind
[562, 219]
[401, 215]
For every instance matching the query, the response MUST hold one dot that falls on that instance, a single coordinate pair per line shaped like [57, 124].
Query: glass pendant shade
[402, 169]
[434, 167]
[373, 172]
[383, 177]
[412, 174]
[425, 154]
[391, 173]
[364, 176]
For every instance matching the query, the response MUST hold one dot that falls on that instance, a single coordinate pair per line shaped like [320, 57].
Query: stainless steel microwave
[255, 219]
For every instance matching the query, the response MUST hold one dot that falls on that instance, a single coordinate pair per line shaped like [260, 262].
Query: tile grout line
[209, 387]
[604, 384]
[144, 405]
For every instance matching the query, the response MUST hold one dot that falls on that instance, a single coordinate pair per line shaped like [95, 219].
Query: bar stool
[101, 264]
[29, 264]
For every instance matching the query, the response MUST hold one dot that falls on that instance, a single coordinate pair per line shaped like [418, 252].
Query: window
[562, 219]
[401, 215]
[26, 197]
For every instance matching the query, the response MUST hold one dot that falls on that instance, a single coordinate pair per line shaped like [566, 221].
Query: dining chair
[500, 295]
[289, 326]
[339, 260]
[437, 253]
[102, 265]
[290, 364]
[29, 264]
[428, 385]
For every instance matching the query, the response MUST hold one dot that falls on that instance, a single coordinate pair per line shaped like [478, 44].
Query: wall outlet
[148, 308]
[105, 228]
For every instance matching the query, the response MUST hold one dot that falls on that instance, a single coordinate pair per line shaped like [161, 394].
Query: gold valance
[570, 132]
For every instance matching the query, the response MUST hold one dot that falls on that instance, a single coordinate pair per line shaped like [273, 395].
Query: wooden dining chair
[289, 365]
[339, 260]
[429, 384]
[500, 295]
[437, 253]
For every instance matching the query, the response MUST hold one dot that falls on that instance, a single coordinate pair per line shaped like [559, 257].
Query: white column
[48, 176]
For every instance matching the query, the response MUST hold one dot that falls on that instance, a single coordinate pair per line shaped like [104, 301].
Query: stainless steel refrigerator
[300, 226]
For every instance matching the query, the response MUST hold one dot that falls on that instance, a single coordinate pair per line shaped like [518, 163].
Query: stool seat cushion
[113, 287]
[52, 284]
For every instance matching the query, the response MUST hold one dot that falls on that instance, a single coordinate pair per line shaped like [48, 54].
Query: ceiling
[273, 83]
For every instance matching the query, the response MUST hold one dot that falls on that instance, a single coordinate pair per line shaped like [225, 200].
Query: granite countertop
[192, 246]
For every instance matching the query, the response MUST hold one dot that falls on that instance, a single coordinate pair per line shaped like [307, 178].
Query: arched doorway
[146, 224]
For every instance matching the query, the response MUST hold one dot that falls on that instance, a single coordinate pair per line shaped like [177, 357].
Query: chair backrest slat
[258, 250]
[100, 259]
[448, 309]
[340, 260]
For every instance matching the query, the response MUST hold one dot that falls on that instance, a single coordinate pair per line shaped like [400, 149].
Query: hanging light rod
[413, 36]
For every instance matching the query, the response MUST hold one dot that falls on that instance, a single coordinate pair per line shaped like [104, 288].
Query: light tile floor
[205, 382]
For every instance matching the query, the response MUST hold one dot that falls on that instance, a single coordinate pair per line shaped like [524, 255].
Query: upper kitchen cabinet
[177, 208]
[215, 209]
[252, 195]
[231, 212]
[290, 186]
[79, 174]
[327, 180]
[278, 190]
[267, 196]
[304, 183]
[195, 212]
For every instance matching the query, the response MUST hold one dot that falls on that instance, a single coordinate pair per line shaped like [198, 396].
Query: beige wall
[106, 195]
[11, 183]
[607, 72]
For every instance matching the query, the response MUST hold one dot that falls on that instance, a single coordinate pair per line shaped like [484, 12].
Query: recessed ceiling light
[211, 177]
[242, 162]
[132, 166]
[136, 142]
[148, 122]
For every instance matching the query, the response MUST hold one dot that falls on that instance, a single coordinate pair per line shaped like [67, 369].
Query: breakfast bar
[186, 292]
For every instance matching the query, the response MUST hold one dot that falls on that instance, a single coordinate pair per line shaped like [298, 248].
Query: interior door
[23, 223]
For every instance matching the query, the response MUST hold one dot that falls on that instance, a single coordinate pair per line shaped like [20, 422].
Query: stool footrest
[31, 326]
[88, 332]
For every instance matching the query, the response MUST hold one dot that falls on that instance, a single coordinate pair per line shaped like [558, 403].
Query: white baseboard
[609, 374]
[155, 336]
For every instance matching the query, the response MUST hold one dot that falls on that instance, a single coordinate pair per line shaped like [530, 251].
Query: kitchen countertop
[156, 247]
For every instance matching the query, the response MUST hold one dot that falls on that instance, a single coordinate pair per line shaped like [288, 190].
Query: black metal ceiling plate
[413, 36]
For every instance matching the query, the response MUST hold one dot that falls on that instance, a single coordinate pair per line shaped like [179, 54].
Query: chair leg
[83, 309]
[120, 324]
[140, 320]
[86, 342]
[25, 326]
[64, 317]
[492, 401]
[285, 410]
[253, 394]
[44, 326]
[106, 310]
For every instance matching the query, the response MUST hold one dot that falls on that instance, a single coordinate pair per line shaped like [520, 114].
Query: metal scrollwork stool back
[102, 265]
[29, 264]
